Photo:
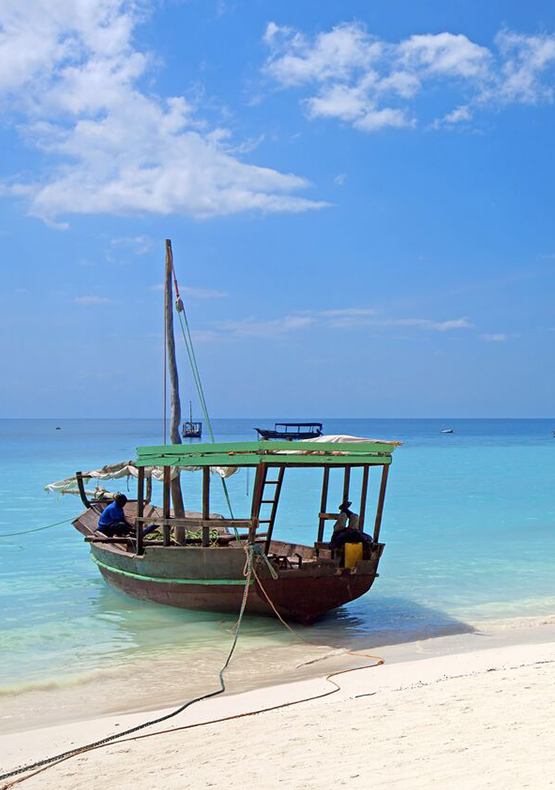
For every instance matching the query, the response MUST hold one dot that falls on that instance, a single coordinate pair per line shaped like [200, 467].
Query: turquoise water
[469, 525]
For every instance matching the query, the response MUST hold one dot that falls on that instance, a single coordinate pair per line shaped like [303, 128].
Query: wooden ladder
[274, 486]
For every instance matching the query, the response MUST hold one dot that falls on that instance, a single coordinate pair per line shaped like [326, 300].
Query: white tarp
[128, 469]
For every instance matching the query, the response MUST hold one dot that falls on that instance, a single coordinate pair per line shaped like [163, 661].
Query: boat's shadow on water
[369, 622]
[385, 621]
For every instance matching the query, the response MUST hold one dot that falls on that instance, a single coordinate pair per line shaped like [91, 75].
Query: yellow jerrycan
[353, 553]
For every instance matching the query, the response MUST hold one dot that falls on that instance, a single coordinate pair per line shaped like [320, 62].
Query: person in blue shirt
[112, 520]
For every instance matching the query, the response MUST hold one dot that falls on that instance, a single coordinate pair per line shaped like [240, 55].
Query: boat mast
[175, 416]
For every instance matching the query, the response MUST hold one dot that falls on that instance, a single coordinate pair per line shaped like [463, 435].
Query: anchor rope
[119, 738]
[48, 761]
[36, 529]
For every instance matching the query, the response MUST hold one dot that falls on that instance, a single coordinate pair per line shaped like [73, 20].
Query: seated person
[347, 530]
[112, 522]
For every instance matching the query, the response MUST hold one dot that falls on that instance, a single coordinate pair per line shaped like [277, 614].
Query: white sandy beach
[481, 718]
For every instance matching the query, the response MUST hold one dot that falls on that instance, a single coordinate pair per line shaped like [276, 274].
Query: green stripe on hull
[224, 582]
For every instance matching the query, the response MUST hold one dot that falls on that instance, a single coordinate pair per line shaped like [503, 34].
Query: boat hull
[212, 580]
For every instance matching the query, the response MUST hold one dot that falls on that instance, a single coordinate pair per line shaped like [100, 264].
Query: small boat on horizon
[191, 429]
[289, 431]
[447, 430]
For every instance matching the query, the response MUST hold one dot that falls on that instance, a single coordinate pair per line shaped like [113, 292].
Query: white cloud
[71, 71]
[458, 115]
[93, 300]
[349, 318]
[358, 78]
[496, 337]
[195, 293]
[204, 293]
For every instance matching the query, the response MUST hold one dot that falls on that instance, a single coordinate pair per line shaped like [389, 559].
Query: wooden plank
[166, 505]
[329, 516]
[205, 505]
[140, 510]
[363, 497]
[346, 483]
[271, 446]
[323, 503]
[199, 523]
[381, 500]
[252, 459]
[261, 472]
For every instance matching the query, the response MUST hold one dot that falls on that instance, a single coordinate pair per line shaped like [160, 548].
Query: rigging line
[200, 391]
[50, 761]
[188, 340]
[36, 529]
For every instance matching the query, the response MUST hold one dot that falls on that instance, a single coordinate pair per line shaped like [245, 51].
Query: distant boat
[191, 429]
[58, 428]
[447, 430]
[291, 430]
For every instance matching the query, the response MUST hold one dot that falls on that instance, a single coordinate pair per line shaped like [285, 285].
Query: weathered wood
[198, 523]
[81, 487]
[323, 503]
[205, 505]
[261, 472]
[346, 483]
[273, 447]
[329, 516]
[381, 500]
[148, 495]
[140, 511]
[363, 497]
[240, 458]
[175, 416]
[166, 511]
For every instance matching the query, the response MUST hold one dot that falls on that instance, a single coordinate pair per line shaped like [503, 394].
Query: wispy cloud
[495, 337]
[372, 84]
[93, 300]
[196, 293]
[72, 77]
[350, 318]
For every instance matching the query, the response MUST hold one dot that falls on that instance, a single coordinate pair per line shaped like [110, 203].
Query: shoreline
[430, 691]
[147, 685]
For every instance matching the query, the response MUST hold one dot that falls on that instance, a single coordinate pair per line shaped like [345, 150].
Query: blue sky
[359, 194]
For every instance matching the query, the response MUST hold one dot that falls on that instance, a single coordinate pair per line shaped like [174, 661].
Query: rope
[188, 340]
[49, 761]
[37, 529]
[249, 569]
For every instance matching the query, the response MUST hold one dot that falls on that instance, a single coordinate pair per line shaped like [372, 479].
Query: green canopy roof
[293, 453]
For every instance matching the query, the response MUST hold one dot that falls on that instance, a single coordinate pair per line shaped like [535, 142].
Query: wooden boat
[292, 430]
[191, 429]
[199, 561]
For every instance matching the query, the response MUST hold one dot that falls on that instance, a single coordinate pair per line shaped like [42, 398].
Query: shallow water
[469, 525]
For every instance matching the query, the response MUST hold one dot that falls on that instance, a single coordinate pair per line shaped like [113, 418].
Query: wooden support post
[206, 504]
[148, 495]
[346, 483]
[260, 479]
[166, 504]
[363, 497]
[324, 503]
[381, 500]
[140, 510]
